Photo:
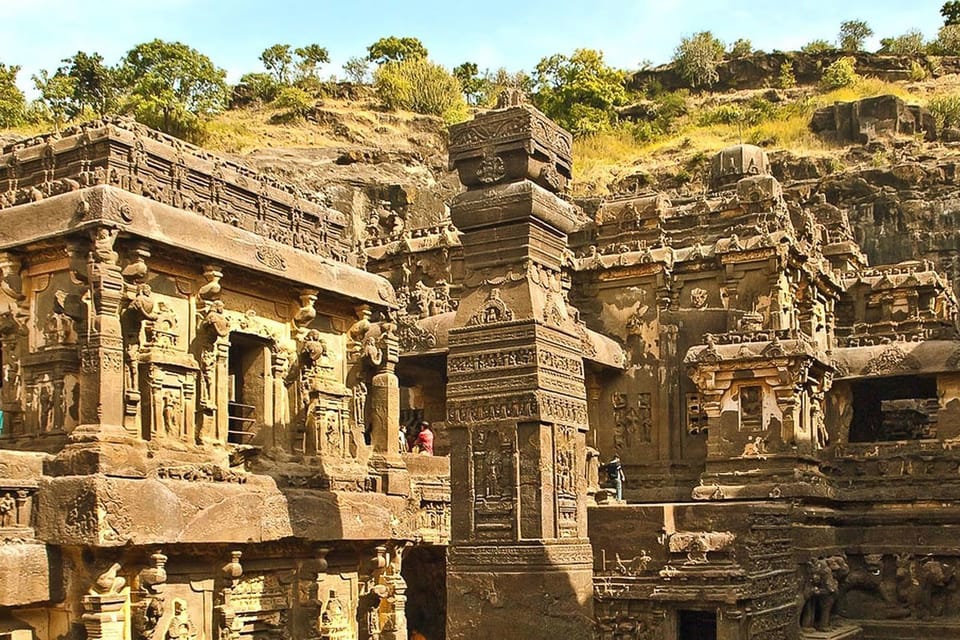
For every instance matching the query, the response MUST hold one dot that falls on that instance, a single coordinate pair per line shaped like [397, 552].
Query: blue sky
[514, 34]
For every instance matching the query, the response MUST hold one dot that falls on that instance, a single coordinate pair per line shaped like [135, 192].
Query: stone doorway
[697, 625]
[248, 367]
[424, 570]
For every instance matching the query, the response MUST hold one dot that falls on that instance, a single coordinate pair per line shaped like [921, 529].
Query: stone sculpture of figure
[142, 307]
[181, 627]
[208, 365]
[46, 407]
[102, 249]
[131, 361]
[109, 582]
[819, 424]
[371, 351]
[8, 510]
[314, 349]
[171, 413]
[216, 321]
[494, 470]
[397, 225]
[333, 439]
[820, 591]
[405, 273]
[359, 403]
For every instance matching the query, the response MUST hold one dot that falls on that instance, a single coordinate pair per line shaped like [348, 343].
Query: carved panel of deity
[493, 481]
[565, 479]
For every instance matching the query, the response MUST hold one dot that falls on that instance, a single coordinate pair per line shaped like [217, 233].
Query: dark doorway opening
[697, 625]
[895, 408]
[424, 569]
[248, 368]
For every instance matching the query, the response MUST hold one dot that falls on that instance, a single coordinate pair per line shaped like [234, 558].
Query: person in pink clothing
[424, 442]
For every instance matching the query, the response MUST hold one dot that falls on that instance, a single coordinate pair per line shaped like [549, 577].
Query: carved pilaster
[101, 349]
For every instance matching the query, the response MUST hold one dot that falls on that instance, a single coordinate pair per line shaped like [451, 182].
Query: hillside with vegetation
[373, 133]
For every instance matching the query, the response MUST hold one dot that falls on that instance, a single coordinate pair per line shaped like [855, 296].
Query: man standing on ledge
[615, 476]
[424, 442]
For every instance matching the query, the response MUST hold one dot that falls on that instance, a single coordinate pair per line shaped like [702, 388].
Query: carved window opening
[894, 408]
[248, 368]
[751, 408]
[696, 625]
[696, 417]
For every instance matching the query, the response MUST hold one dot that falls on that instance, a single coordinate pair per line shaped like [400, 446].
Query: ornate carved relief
[633, 424]
[493, 481]
[493, 310]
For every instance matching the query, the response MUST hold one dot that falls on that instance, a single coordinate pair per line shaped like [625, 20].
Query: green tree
[471, 81]
[94, 84]
[297, 103]
[394, 49]
[741, 47]
[818, 46]
[950, 12]
[852, 35]
[948, 41]
[696, 59]
[56, 95]
[579, 92]
[421, 86]
[12, 102]
[356, 69]
[277, 59]
[842, 73]
[256, 86]
[172, 87]
[906, 44]
[310, 58]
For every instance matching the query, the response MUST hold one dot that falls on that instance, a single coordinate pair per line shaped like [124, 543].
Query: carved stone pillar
[384, 415]
[385, 398]
[394, 608]
[12, 392]
[280, 367]
[13, 332]
[101, 349]
[516, 401]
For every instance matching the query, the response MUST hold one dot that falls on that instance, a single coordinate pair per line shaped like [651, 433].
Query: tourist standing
[424, 442]
[615, 476]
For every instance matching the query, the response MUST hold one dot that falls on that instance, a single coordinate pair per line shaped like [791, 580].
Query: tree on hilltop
[471, 82]
[12, 102]
[950, 12]
[172, 87]
[394, 49]
[909, 43]
[579, 91]
[94, 84]
[56, 95]
[310, 59]
[696, 59]
[852, 35]
[356, 69]
[277, 59]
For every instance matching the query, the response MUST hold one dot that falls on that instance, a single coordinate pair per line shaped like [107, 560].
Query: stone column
[519, 562]
[13, 333]
[101, 349]
[384, 400]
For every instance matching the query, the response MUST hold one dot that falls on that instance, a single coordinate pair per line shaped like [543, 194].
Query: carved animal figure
[820, 591]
